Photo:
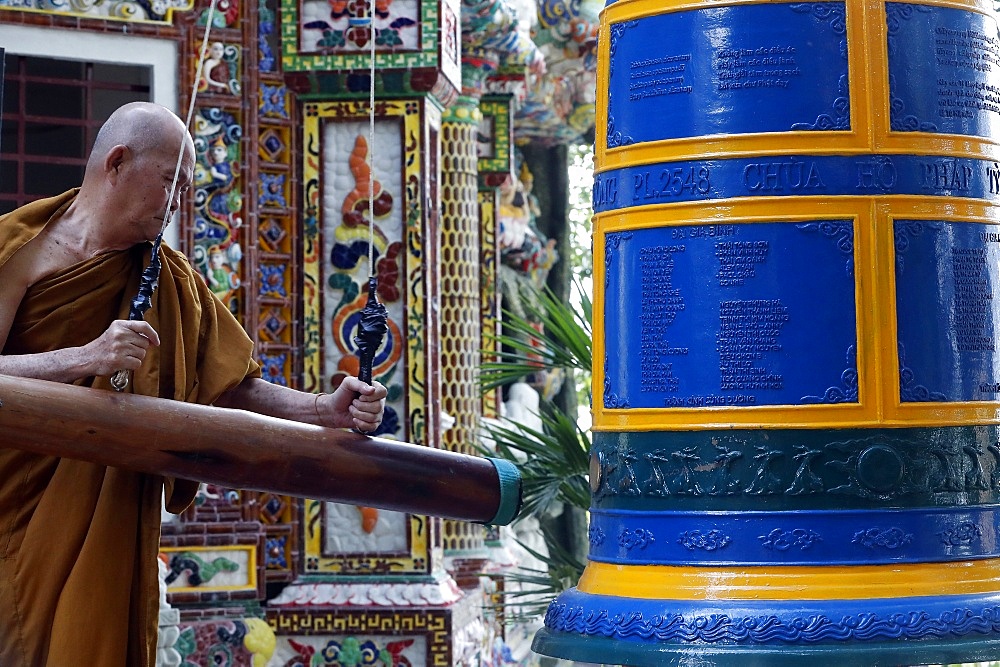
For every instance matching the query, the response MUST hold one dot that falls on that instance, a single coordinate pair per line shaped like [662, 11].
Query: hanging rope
[373, 325]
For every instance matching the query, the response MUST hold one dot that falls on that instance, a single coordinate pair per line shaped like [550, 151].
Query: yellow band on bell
[791, 582]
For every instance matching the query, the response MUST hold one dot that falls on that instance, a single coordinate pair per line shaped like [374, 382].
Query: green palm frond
[542, 333]
[556, 459]
[565, 340]
[528, 591]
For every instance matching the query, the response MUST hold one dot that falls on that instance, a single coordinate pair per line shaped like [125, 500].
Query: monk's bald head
[142, 126]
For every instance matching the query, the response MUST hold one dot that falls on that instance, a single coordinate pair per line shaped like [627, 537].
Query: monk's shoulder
[28, 249]
[183, 272]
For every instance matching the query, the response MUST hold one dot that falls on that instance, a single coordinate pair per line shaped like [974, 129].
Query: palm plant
[542, 332]
[528, 591]
[553, 461]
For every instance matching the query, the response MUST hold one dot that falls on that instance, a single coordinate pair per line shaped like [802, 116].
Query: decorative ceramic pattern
[345, 252]
[218, 186]
[278, 228]
[377, 541]
[349, 529]
[220, 71]
[302, 49]
[273, 325]
[346, 25]
[276, 552]
[225, 643]
[369, 593]
[336, 249]
[489, 296]
[137, 11]
[320, 626]
[462, 278]
[353, 651]
[271, 190]
[207, 569]
[273, 101]
[493, 137]
[266, 35]
[226, 15]
[559, 105]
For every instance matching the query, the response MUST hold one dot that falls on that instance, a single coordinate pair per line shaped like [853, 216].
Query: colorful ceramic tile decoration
[220, 70]
[218, 250]
[329, 39]
[795, 366]
[494, 140]
[162, 11]
[349, 540]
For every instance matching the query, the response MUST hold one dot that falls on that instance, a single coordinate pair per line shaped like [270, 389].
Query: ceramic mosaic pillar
[369, 584]
[369, 579]
[495, 165]
[796, 375]
[461, 317]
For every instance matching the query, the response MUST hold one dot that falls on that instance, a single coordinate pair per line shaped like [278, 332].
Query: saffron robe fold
[79, 541]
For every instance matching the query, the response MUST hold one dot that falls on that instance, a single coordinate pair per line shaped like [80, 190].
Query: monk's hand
[353, 405]
[121, 347]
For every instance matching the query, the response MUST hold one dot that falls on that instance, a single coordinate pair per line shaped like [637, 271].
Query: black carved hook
[142, 302]
[371, 330]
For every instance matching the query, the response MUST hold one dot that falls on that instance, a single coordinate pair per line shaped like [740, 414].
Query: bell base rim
[607, 651]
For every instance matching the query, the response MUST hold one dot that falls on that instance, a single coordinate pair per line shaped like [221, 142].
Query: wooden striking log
[244, 450]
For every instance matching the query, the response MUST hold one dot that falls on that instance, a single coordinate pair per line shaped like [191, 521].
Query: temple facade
[303, 187]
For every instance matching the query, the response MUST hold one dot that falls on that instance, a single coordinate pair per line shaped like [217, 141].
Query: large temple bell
[796, 376]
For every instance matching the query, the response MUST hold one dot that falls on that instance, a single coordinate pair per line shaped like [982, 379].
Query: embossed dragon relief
[875, 468]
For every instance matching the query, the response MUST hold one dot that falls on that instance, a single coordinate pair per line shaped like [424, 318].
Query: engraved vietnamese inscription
[661, 302]
[654, 77]
[771, 66]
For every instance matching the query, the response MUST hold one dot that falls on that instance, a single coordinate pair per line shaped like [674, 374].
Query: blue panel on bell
[948, 306]
[951, 87]
[733, 70]
[727, 315]
[802, 537]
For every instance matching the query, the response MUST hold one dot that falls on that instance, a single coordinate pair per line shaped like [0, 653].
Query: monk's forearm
[262, 397]
[66, 365]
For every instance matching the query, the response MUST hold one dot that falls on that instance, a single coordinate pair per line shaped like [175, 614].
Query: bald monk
[79, 541]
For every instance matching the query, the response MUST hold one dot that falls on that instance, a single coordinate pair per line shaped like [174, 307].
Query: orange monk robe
[78, 541]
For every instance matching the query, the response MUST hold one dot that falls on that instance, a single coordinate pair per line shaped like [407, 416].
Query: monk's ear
[114, 160]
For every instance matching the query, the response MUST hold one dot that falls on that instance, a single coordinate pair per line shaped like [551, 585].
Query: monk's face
[146, 191]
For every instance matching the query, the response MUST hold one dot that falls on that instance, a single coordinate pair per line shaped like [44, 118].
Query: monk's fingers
[379, 392]
[129, 364]
[365, 425]
[145, 330]
[365, 408]
[128, 339]
[368, 418]
[135, 331]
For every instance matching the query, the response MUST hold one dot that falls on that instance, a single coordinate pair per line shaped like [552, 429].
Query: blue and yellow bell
[796, 378]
